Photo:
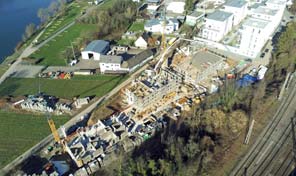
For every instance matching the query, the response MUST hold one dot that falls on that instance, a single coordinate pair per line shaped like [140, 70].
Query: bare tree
[43, 14]
[30, 30]
[53, 8]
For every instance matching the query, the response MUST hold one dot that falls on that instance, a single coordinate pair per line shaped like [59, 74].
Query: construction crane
[53, 128]
[163, 38]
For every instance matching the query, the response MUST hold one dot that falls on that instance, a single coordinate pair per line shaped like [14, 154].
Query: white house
[191, 19]
[142, 41]
[95, 49]
[157, 26]
[110, 63]
[254, 34]
[217, 25]
[115, 64]
[239, 8]
[176, 7]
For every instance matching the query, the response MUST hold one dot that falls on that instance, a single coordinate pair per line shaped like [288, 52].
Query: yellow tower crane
[53, 129]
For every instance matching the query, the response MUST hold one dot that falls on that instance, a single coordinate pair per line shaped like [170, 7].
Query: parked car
[262, 55]
[266, 50]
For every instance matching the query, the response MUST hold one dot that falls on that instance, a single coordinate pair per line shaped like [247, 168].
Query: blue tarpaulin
[246, 80]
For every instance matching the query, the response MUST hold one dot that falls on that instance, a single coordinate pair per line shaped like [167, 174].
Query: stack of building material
[81, 101]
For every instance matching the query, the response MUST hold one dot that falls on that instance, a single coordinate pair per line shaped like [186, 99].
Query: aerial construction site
[160, 93]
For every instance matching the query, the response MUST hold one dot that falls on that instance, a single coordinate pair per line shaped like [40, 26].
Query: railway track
[266, 146]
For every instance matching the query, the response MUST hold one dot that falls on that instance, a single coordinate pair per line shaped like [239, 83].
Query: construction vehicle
[53, 129]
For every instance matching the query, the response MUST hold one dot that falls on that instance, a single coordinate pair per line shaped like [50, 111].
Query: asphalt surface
[271, 154]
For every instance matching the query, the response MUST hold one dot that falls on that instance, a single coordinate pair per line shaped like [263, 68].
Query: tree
[43, 15]
[53, 8]
[62, 7]
[189, 5]
[30, 30]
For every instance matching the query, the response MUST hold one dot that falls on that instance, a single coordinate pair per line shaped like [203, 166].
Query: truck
[261, 72]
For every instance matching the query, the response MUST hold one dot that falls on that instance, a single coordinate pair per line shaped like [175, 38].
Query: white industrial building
[95, 49]
[157, 26]
[217, 25]
[239, 8]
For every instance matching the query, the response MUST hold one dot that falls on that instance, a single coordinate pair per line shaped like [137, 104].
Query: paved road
[271, 154]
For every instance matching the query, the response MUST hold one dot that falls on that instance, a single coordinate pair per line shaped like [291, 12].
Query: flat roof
[110, 59]
[219, 15]
[278, 2]
[235, 3]
[265, 10]
[195, 14]
[203, 59]
[256, 23]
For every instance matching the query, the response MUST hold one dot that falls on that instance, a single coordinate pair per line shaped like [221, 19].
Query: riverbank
[15, 16]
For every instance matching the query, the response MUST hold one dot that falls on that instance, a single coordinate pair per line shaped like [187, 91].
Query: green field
[137, 27]
[51, 53]
[73, 11]
[81, 86]
[19, 132]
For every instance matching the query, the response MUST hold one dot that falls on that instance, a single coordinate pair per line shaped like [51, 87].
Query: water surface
[15, 15]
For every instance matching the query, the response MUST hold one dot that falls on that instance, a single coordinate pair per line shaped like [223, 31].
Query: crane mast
[53, 129]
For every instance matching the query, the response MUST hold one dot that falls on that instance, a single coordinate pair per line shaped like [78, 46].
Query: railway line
[272, 153]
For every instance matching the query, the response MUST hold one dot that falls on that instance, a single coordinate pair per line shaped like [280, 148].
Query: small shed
[95, 49]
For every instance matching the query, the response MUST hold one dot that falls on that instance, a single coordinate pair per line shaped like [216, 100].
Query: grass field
[19, 132]
[51, 53]
[137, 27]
[81, 86]
[73, 11]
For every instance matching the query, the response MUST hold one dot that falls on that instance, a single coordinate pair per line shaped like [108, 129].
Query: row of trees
[112, 20]
[56, 7]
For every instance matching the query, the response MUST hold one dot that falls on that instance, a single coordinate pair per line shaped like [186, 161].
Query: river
[15, 15]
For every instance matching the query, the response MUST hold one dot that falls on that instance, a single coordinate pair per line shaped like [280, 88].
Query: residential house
[142, 41]
[95, 49]
[116, 64]
[192, 18]
[157, 26]
[111, 64]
